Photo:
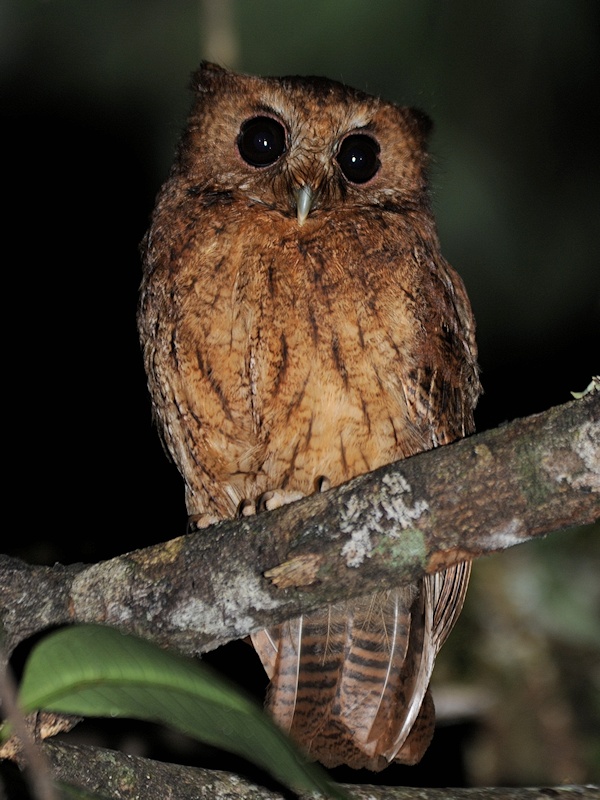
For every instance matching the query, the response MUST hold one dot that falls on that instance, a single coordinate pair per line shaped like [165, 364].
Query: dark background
[93, 96]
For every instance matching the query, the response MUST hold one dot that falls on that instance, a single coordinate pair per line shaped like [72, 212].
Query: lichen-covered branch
[120, 777]
[476, 496]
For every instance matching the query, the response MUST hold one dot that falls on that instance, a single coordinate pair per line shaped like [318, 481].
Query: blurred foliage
[93, 96]
[524, 663]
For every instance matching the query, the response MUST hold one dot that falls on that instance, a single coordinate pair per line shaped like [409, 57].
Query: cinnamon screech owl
[300, 327]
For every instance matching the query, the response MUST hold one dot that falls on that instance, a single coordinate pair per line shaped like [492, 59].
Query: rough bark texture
[461, 501]
[117, 776]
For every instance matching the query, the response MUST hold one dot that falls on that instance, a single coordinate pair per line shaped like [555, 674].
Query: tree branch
[476, 496]
[125, 776]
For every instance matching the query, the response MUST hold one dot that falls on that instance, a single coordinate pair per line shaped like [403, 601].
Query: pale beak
[305, 197]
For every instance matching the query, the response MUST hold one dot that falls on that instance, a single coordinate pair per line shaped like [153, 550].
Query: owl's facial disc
[357, 158]
[307, 167]
[305, 197]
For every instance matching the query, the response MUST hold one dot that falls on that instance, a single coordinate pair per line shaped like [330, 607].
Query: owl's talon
[323, 483]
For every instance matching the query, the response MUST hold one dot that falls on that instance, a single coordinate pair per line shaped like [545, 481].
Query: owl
[299, 327]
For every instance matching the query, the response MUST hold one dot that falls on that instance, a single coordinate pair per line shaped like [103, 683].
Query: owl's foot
[275, 498]
[197, 522]
[269, 500]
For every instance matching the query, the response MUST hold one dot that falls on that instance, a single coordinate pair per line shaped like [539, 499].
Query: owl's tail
[350, 682]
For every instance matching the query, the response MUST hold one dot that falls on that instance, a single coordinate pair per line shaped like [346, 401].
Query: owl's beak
[305, 197]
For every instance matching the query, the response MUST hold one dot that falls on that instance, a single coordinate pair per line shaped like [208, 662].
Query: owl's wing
[444, 595]
[447, 590]
[401, 725]
[266, 644]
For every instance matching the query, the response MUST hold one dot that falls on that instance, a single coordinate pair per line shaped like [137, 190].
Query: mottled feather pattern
[298, 320]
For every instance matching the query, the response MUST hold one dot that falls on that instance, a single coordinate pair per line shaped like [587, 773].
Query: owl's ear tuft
[420, 122]
[206, 76]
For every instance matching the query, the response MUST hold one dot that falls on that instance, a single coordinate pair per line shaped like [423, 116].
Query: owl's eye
[261, 141]
[358, 158]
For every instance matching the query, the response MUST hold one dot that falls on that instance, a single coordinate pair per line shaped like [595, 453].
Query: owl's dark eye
[358, 157]
[261, 141]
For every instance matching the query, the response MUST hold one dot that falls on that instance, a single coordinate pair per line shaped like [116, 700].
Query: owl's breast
[328, 359]
[293, 356]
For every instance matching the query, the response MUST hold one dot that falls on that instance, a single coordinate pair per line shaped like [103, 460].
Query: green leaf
[92, 670]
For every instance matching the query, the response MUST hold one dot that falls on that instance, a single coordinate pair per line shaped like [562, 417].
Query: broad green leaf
[92, 670]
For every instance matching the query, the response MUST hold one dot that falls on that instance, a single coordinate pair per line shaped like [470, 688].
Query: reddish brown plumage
[279, 352]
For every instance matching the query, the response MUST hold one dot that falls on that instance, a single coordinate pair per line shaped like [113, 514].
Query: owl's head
[301, 146]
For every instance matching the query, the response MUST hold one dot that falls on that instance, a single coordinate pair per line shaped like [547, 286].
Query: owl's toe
[197, 522]
[277, 498]
[267, 501]
[247, 508]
